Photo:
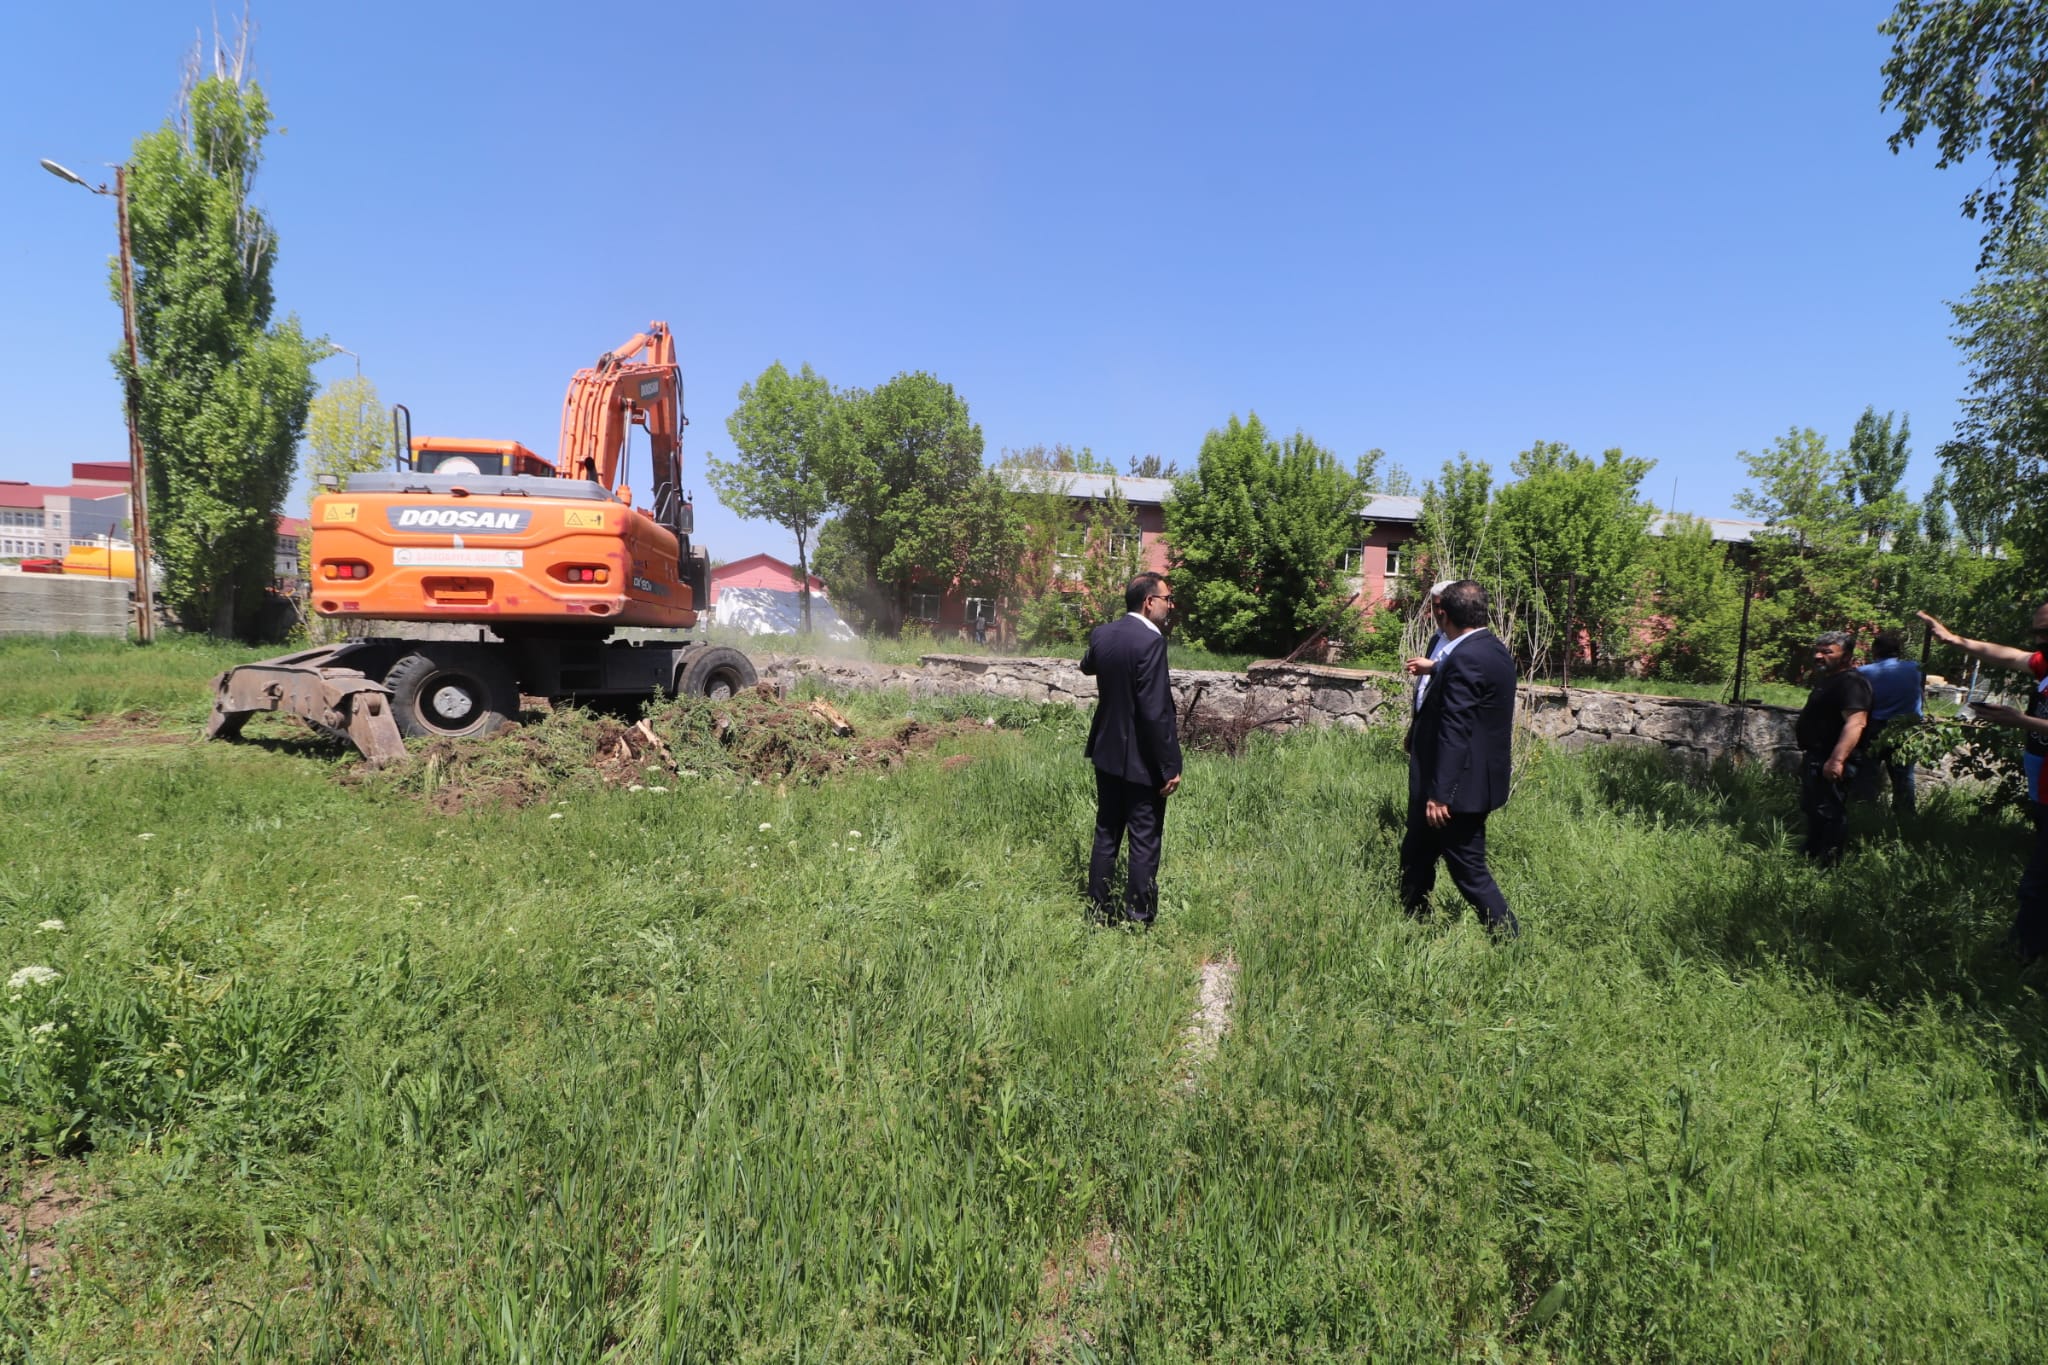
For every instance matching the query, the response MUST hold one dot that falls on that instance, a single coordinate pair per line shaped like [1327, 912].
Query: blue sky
[1428, 228]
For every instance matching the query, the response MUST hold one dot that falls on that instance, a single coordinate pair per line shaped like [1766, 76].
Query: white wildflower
[51, 926]
[33, 976]
[556, 816]
[636, 787]
[765, 826]
[853, 834]
[44, 1030]
[658, 791]
[145, 836]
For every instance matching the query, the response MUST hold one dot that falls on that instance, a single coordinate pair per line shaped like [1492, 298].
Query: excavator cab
[496, 459]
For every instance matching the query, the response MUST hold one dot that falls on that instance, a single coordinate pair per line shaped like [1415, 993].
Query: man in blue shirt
[1896, 688]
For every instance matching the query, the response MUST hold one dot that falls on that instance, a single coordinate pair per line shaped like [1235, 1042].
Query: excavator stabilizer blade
[319, 687]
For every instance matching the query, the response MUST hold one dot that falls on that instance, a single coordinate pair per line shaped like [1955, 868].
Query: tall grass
[652, 1081]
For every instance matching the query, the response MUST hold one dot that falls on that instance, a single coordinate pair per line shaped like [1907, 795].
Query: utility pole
[138, 480]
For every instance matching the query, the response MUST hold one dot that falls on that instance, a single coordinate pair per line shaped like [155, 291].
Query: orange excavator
[503, 575]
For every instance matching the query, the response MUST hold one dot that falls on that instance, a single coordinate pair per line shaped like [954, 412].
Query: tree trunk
[803, 582]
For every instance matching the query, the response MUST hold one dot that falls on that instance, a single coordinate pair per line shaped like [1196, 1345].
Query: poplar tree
[222, 393]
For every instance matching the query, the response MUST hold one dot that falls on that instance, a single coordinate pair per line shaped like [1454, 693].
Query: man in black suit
[1135, 743]
[1458, 751]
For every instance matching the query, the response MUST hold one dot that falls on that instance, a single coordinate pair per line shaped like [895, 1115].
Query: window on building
[1354, 560]
[1393, 563]
[924, 606]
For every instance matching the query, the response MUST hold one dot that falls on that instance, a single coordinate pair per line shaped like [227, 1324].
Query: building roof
[14, 493]
[1726, 530]
[1151, 492]
[733, 568]
[1384, 507]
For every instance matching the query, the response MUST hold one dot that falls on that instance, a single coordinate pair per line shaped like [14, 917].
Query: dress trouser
[2030, 926]
[1461, 844]
[1136, 809]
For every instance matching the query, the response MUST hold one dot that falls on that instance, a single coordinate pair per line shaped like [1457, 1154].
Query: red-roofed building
[47, 519]
[759, 571]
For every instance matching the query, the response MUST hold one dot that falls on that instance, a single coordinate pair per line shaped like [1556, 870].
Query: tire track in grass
[1071, 1278]
[1202, 1035]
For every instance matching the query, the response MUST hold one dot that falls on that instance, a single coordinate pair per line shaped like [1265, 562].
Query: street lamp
[138, 497]
[343, 350]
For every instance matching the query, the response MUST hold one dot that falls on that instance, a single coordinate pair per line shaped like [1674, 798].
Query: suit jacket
[1458, 748]
[1134, 735]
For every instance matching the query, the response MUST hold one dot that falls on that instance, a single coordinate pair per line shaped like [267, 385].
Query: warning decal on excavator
[583, 521]
[340, 511]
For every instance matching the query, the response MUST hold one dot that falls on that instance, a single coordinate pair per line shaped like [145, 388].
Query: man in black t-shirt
[1830, 728]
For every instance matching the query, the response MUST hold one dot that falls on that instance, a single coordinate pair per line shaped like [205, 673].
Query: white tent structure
[772, 611]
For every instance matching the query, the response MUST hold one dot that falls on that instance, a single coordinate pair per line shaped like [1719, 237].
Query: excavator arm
[637, 384]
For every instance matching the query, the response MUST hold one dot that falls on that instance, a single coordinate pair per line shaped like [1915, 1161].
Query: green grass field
[834, 1071]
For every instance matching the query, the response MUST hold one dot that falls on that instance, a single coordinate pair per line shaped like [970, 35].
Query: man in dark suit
[1135, 743]
[1458, 751]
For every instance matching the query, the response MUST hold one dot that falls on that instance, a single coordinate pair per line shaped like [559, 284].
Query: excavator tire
[716, 672]
[451, 691]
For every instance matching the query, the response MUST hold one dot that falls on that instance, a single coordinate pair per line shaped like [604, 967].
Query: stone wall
[1286, 696]
[63, 604]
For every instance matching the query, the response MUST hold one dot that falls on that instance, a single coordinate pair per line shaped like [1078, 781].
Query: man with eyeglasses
[2028, 936]
[1134, 741]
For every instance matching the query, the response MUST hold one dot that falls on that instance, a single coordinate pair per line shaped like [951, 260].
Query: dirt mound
[758, 736]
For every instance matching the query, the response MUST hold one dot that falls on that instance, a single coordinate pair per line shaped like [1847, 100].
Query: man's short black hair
[1889, 644]
[1139, 589]
[1464, 604]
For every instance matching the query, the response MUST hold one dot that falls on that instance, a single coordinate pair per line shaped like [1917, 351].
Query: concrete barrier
[64, 604]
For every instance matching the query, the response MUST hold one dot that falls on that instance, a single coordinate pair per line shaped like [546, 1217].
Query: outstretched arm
[2004, 656]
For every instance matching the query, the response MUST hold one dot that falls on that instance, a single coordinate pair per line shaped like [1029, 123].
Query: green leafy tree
[1061, 458]
[1816, 569]
[1974, 71]
[992, 539]
[1802, 488]
[1454, 538]
[1877, 457]
[1049, 539]
[909, 459]
[1997, 473]
[1257, 535]
[784, 434]
[1112, 554]
[1382, 475]
[346, 432]
[222, 394]
[1575, 526]
[1695, 603]
[1153, 467]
